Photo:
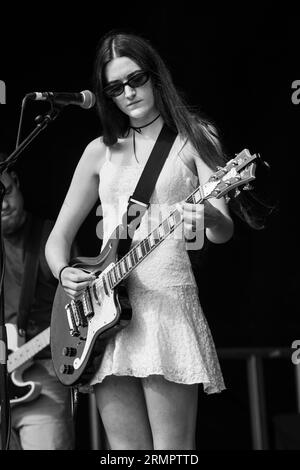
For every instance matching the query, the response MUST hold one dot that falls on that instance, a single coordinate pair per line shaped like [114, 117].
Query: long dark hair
[172, 106]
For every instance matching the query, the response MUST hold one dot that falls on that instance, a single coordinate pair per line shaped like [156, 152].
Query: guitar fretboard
[136, 255]
[28, 350]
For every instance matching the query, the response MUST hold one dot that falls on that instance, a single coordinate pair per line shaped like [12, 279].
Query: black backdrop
[239, 71]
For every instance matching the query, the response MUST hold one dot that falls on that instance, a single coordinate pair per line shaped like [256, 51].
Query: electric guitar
[79, 328]
[19, 359]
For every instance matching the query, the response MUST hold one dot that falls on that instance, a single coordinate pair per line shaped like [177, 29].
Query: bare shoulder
[94, 155]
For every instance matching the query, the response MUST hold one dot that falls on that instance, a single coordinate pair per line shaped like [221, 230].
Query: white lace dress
[168, 334]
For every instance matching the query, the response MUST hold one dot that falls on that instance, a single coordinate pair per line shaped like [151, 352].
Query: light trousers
[45, 423]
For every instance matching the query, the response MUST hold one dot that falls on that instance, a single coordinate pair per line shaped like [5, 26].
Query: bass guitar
[79, 328]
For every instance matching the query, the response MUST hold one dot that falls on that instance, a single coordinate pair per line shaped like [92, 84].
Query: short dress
[168, 334]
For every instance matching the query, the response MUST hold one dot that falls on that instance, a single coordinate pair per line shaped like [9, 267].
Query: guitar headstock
[239, 171]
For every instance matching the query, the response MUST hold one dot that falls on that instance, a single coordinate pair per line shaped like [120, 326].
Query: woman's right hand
[75, 281]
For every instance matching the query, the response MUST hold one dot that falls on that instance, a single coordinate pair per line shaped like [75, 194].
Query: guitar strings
[133, 251]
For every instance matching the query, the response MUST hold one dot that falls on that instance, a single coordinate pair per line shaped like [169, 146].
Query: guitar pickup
[105, 285]
[72, 325]
[78, 313]
[87, 304]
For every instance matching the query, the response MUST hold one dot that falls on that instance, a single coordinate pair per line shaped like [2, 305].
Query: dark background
[238, 70]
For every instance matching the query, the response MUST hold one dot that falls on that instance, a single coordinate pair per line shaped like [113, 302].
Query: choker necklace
[139, 130]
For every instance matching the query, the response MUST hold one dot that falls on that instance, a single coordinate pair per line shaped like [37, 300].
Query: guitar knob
[67, 351]
[66, 369]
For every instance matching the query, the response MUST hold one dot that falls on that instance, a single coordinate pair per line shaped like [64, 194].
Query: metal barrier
[255, 378]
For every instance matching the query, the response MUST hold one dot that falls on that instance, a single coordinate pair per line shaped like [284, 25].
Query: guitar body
[78, 336]
[18, 390]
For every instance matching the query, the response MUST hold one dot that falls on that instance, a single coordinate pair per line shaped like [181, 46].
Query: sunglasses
[114, 89]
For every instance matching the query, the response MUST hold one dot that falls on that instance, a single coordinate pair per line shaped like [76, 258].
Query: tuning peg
[227, 198]
[220, 168]
[247, 187]
[237, 192]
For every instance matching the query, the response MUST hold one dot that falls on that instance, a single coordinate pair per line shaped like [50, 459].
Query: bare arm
[218, 223]
[213, 214]
[80, 198]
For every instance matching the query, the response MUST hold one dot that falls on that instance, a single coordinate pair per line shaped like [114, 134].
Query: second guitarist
[44, 422]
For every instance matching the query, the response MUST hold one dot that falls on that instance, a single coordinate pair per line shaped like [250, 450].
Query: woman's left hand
[196, 217]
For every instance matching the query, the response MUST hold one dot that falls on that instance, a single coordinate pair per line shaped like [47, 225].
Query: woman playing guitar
[147, 383]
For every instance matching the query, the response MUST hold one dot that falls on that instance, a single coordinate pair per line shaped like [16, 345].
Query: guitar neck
[28, 350]
[137, 254]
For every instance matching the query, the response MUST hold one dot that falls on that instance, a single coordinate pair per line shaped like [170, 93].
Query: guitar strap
[138, 202]
[32, 243]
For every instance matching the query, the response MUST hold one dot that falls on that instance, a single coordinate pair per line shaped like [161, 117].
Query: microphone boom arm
[42, 123]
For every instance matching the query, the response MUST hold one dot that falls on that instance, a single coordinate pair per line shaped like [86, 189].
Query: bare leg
[122, 407]
[172, 411]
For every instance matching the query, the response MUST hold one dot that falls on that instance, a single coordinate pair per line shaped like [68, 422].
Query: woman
[146, 385]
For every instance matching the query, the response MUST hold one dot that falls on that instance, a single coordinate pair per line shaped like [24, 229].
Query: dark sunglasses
[116, 88]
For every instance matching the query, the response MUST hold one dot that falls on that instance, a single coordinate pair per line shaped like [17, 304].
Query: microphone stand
[42, 123]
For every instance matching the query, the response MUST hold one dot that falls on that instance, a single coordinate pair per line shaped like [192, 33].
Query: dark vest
[45, 287]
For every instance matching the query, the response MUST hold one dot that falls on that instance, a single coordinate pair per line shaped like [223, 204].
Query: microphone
[86, 99]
